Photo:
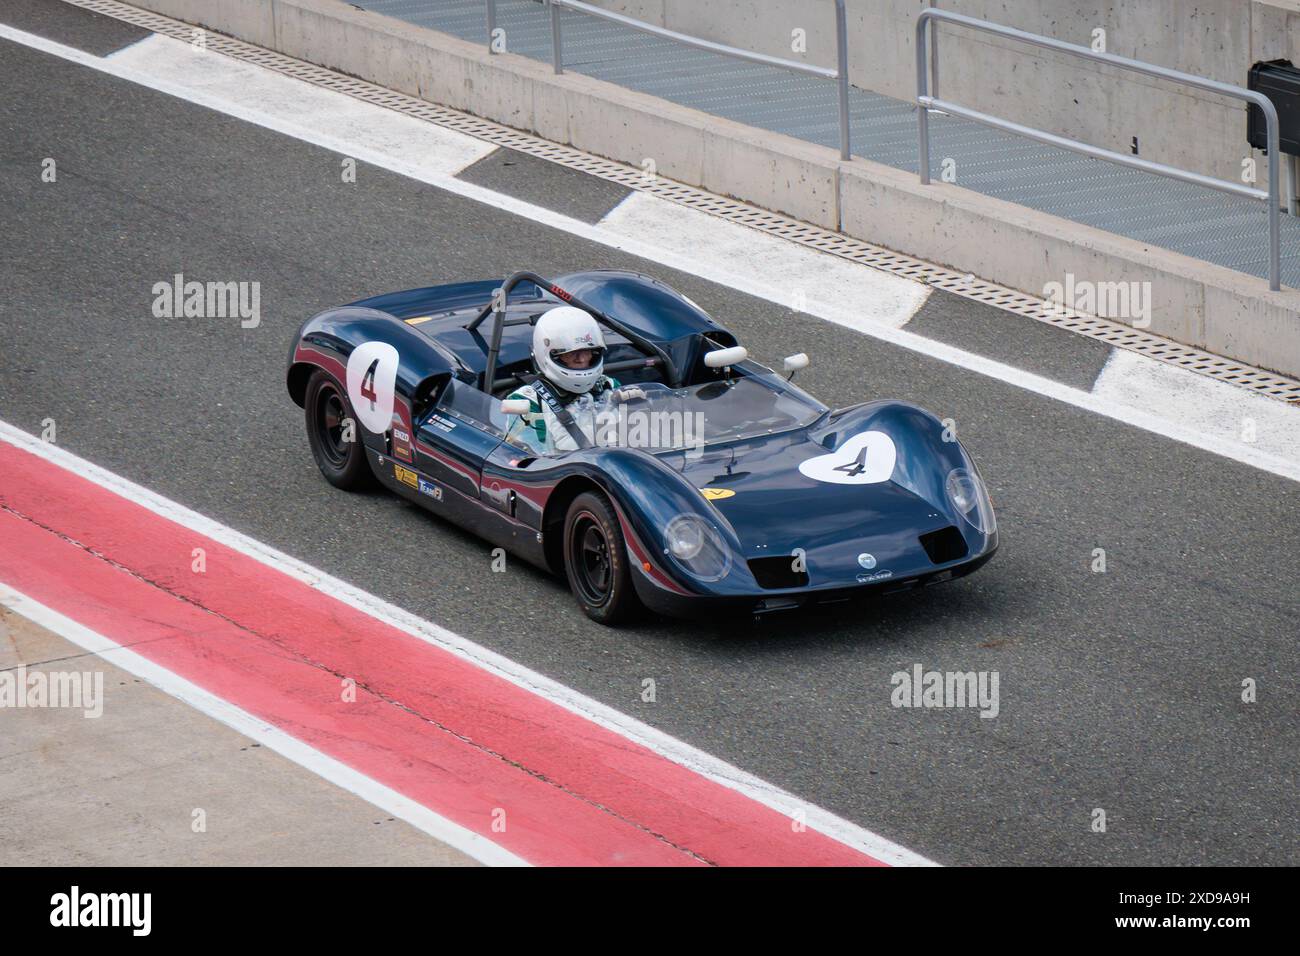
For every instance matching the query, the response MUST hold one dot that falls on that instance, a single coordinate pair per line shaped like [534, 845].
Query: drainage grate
[1113, 333]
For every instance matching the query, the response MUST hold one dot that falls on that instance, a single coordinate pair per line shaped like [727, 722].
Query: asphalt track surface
[1118, 690]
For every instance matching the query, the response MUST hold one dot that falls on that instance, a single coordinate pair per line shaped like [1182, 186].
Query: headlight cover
[969, 497]
[697, 548]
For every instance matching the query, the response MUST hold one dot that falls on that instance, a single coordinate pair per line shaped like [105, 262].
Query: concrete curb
[1191, 301]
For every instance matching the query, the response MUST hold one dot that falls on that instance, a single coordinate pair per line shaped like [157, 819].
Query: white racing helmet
[567, 329]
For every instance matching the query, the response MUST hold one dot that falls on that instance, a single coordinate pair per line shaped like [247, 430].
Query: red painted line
[456, 738]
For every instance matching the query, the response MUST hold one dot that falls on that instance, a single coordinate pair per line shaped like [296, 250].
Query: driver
[571, 389]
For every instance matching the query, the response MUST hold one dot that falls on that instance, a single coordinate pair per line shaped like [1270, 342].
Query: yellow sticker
[406, 476]
[715, 494]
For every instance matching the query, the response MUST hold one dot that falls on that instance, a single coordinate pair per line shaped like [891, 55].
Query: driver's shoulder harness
[558, 404]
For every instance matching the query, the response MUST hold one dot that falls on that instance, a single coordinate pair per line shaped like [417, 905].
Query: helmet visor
[577, 359]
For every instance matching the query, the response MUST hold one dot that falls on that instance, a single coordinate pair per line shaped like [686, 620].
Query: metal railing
[840, 74]
[925, 103]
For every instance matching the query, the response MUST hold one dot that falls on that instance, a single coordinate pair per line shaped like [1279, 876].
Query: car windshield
[673, 419]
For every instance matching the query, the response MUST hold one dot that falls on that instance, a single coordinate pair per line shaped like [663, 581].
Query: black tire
[343, 463]
[595, 561]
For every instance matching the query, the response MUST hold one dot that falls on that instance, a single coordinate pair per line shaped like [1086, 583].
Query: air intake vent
[944, 545]
[777, 572]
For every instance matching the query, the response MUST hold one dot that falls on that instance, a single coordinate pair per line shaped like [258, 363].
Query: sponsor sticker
[429, 488]
[401, 440]
[406, 476]
[878, 576]
[717, 494]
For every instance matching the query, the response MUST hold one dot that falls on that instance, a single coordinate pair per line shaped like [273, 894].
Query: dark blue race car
[718, 486]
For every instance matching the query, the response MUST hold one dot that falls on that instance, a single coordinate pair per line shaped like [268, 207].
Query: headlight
[685, 537]
[968, 496]
[961, 489]
[697, 547]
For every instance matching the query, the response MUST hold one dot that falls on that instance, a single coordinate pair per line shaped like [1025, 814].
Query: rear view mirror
[796, 363]
[721, 358]
[516, 406]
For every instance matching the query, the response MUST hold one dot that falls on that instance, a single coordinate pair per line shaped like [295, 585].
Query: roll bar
[497, 308]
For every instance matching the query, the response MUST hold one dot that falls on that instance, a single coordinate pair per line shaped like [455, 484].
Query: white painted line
[1211, 407]
[675, 750]
[683, 261]
[425, 146]
[390, 801]
[847, 293]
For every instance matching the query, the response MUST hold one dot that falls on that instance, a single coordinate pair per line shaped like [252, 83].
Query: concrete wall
[1208, 306]
[1192, 301]
[1217, 39]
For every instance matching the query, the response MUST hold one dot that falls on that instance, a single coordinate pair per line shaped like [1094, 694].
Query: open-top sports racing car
[717, 485]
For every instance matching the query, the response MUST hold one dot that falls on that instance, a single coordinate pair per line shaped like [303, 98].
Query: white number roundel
[865, 459]
[372, 376]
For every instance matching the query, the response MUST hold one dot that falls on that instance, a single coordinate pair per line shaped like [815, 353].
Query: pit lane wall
[1191, 301]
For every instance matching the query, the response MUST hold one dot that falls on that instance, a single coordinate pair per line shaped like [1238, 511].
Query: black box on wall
[1280, 82]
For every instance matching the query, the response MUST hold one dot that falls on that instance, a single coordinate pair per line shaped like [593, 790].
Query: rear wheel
[335, 434]
[595, 560]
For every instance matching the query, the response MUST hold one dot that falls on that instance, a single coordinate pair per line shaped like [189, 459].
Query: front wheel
[595, 560]
[335, 434]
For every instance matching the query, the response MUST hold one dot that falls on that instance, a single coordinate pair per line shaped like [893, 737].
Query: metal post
[922, 112]
[842, 59]
[1275, 161]
[1288, 197]
[1294, 176]
[1274, 213]
[494, 350]
[934, 58]
[491, 22]
[557, 51]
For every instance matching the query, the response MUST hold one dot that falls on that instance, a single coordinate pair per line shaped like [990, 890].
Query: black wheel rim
[330, 416]
[590, 560]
